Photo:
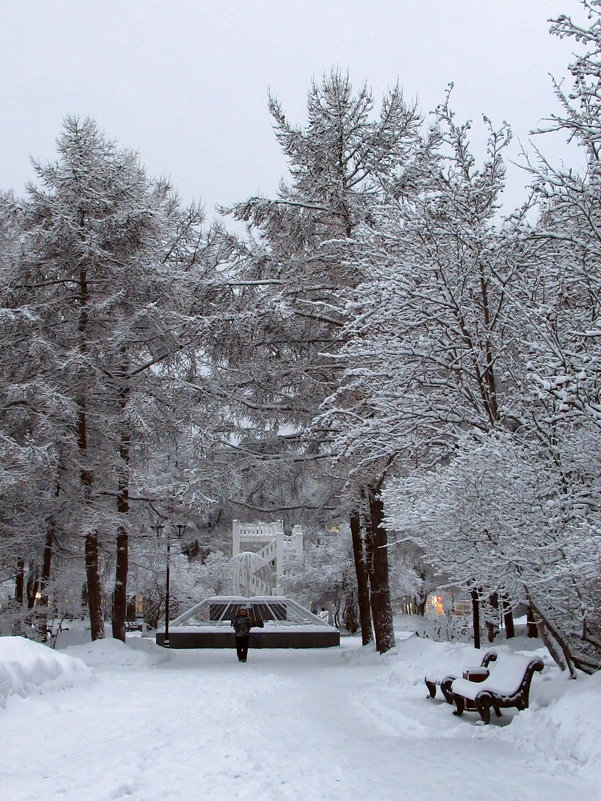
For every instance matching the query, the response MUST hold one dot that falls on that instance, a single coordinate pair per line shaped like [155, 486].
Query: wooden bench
[508, 685]
[446, 680]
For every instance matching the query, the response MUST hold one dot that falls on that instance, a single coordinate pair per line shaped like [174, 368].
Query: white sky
[185, 82]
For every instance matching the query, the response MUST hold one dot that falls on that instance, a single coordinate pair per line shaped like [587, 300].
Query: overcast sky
[185, 82]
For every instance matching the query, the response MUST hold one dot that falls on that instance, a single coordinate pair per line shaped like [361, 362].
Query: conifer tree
[297, 267]
[107, 256]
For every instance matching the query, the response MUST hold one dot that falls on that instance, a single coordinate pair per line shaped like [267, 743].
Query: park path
[286, 726]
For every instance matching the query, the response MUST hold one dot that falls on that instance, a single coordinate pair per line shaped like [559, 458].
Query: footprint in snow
[121, 791]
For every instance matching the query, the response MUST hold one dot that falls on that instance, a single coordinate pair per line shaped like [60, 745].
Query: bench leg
[431, 688]
[483, 707]
[460, 704]
[498, 711]
[445, 687]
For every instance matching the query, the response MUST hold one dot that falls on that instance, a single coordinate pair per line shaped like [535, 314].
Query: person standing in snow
[242, 624]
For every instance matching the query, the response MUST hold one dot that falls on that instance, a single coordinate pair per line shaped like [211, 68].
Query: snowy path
[286, 726]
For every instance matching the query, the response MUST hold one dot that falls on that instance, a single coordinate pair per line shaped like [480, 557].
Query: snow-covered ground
[290, 725]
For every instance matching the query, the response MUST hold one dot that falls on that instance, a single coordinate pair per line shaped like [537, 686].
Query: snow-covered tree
[109, 265]
[500, 519]
[430, 351]
[296, 269]
[557, 299]
[325, 579]
[564, 302]
[32, 414]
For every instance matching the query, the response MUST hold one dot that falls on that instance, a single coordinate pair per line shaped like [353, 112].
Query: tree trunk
[508, 619]
[532, 626]
[551, 638]
[360, 559]
[33, 586]
[20, 583]
[94, 591]
[491, 627]
[119, 616]
[422, 599]
[351, 622]
[476, 617]
[44, 579]
[381, 607]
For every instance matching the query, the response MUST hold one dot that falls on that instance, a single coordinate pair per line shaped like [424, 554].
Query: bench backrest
[488, 657]
[508, 671]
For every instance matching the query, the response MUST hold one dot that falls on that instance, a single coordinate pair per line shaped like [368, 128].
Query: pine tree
[297, 269]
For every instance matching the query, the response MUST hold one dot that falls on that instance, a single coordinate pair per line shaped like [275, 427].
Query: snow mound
[420, 657]
[109, 653]
[564, 721]
[29, 668]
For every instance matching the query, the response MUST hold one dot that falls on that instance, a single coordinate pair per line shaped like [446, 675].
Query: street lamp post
[180, 528]
[158, 530]
[167, 589]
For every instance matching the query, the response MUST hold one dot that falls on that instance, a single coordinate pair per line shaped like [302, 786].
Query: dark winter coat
[243, 623]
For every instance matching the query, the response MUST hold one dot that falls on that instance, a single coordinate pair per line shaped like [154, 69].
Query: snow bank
[564, 722]
[416, 657]
[28, 668]
[108, 653]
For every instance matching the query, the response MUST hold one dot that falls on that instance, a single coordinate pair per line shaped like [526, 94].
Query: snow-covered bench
[445, 680]
[508, 685]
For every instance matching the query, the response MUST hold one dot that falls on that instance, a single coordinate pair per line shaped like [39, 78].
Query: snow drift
[564, 722]
[109, 653]
[28, 668]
